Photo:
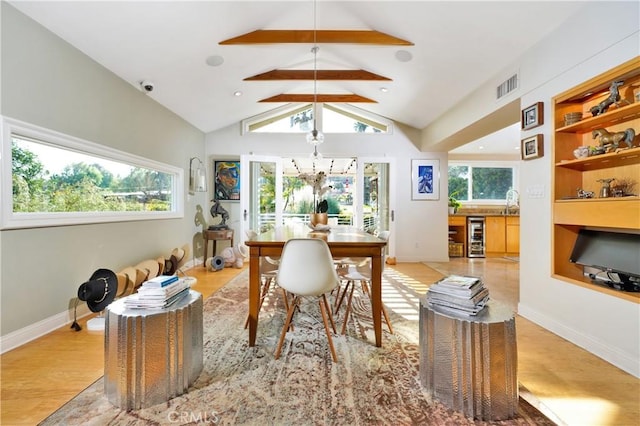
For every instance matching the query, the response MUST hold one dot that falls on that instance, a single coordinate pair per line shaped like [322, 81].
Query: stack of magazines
[157, 293]
[458, 294]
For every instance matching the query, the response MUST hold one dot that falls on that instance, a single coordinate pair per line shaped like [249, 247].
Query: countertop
[484, 214]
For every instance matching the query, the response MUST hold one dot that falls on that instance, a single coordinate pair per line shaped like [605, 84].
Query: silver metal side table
[152, 356]
[470, 363]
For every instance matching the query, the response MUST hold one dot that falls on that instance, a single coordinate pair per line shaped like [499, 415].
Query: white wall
[421, 226]
[48, 83]
[602, 36]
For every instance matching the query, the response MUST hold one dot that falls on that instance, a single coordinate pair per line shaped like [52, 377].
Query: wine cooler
[475, 233]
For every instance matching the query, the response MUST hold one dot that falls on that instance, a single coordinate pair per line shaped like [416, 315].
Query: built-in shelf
[609, 118]
[618, 158]
[571, 214]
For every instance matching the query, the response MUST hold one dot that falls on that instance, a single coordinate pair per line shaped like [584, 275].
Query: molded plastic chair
[307, 270]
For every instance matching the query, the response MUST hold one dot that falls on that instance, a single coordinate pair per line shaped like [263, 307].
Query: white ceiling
[458, 47]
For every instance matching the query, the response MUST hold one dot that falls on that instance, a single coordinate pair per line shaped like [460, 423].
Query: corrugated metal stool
[152, 356]
[470, 363]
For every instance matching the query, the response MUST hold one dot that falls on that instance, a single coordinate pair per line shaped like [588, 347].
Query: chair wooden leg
[386, 318]
[347, 311]
[343, 293]
[323, 308]
[290, 312]
[328, 308]
[285, 297]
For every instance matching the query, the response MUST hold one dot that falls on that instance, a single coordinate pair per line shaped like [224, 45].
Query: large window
[52, 179]
[331, 119]
[481, 182]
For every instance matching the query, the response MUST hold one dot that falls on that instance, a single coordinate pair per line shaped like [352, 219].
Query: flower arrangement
[318, 185]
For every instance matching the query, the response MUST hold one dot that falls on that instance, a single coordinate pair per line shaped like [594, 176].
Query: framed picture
[226, 180]
[532, 147]
[532, 116]
[425, 179]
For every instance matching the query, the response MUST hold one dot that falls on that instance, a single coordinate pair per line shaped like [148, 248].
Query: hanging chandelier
[315, 137]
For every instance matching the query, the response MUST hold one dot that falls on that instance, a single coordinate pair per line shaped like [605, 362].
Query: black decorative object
[98, 292]
[613, 98]
[218, 210]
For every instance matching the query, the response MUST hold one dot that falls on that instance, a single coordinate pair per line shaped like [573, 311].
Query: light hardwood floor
[579, 388]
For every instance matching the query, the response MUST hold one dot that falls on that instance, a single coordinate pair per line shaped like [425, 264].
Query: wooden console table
[470, 363]
[215, 235]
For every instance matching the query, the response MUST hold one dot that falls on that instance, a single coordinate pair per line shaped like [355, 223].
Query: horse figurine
[218, 210]
[612, 140]
[613, 98]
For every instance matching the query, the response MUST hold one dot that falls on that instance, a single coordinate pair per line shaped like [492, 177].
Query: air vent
[507, 86]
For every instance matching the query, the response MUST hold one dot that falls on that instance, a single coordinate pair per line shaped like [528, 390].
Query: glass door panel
[261, 192]
[375, 206]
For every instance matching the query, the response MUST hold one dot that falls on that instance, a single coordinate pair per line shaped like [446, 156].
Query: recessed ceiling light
[384, 89]
[215, 60]
[481, 147]
[404, 56]
[237, 93]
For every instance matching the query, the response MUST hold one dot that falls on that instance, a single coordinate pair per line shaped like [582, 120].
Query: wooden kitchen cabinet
[495, 235]
[512, 229]
[457, 236]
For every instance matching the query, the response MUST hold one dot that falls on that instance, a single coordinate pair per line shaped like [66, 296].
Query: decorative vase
[319, 218]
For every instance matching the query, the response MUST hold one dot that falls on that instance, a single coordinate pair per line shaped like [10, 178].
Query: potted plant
[454, 204]
[320, 207]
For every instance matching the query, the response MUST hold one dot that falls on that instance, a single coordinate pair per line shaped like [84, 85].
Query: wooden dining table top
[335, 236]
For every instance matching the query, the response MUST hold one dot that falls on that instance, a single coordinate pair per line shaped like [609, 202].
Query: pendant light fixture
[315, 137]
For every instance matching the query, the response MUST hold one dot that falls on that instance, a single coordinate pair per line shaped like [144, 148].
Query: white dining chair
[361, 273]
[306, 270]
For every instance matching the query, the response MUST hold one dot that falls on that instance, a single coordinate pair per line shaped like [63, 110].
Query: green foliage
[83, 187]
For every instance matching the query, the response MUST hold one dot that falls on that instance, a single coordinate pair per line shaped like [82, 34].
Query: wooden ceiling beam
[319, 75]
[321, 36]
[344, 98]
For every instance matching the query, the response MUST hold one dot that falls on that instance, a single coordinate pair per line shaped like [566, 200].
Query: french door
[375, 200]
[373, 195]
[261, 178]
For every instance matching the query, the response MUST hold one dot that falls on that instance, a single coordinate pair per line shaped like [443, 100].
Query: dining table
[343, 241]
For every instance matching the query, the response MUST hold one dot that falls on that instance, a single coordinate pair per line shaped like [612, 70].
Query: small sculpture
[585, 194]
[218, 210]
[612, 140]
[605, 191]
[613, 98]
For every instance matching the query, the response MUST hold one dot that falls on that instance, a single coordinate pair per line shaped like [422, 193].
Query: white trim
[11, 220]
[33, 331]
[624, 361]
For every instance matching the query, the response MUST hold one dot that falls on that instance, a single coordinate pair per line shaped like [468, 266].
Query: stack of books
[459, 294]
[158, 293]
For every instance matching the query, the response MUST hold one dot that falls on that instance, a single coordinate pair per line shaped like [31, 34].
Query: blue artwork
[425, 179]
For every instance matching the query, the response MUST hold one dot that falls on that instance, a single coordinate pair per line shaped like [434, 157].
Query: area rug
[247, 386]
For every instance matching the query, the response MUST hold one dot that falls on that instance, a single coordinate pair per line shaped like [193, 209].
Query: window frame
[513, 165]
[11, 220]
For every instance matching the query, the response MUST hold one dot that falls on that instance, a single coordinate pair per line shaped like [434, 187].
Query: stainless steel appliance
[475, 235]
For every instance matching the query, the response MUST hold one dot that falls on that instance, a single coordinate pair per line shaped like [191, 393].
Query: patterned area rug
[242, 385]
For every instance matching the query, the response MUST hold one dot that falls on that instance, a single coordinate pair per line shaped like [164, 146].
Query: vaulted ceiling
[187, 50]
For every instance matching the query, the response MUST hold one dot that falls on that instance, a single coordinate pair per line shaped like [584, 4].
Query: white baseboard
[40, 328]
[622, 360]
